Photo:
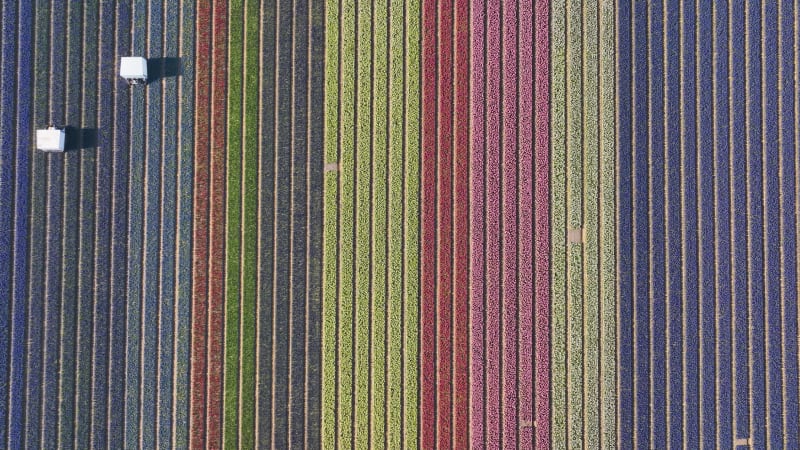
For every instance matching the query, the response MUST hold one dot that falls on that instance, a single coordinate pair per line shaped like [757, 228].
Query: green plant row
[242, 190]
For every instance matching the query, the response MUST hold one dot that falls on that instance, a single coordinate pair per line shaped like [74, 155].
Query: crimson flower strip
[202, 62]
[428, 226]
[445, 225]
[219, 84]
[444, 242]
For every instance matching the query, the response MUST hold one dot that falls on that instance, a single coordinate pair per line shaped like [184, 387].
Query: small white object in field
[133, 69]
[51, 139]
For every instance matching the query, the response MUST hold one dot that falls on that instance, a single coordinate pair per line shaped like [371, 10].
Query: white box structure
[51, 140]
[133, 69]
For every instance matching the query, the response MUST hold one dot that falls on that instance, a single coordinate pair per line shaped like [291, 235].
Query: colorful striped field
[256, 352]
[400, 224]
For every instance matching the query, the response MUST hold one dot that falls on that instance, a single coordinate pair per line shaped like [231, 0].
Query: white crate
[133, 69]
[51, 140]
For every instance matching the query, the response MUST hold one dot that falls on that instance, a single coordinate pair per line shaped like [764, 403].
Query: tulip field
[400, 224]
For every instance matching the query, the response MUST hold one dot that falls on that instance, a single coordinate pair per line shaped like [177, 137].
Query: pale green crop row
[370, 275]
[233, 224]
[583, 197]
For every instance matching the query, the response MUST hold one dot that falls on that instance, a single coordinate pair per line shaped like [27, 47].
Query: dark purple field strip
[13, 172]
[266, 243]
[138, 134]
[509, 225]
[314, 179]
[101, 116]
[7, 169]
[151, 218]
[35, 412]
[119, 113]
[177, 275]
[20, 317]
[75, 368]
[76, 312]
[707, 224]
[153, 318]
[7, 118]
[282, 223]
[167, 228]
[90, 313]
[54, 231]
[790, 167]
[71, 34]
